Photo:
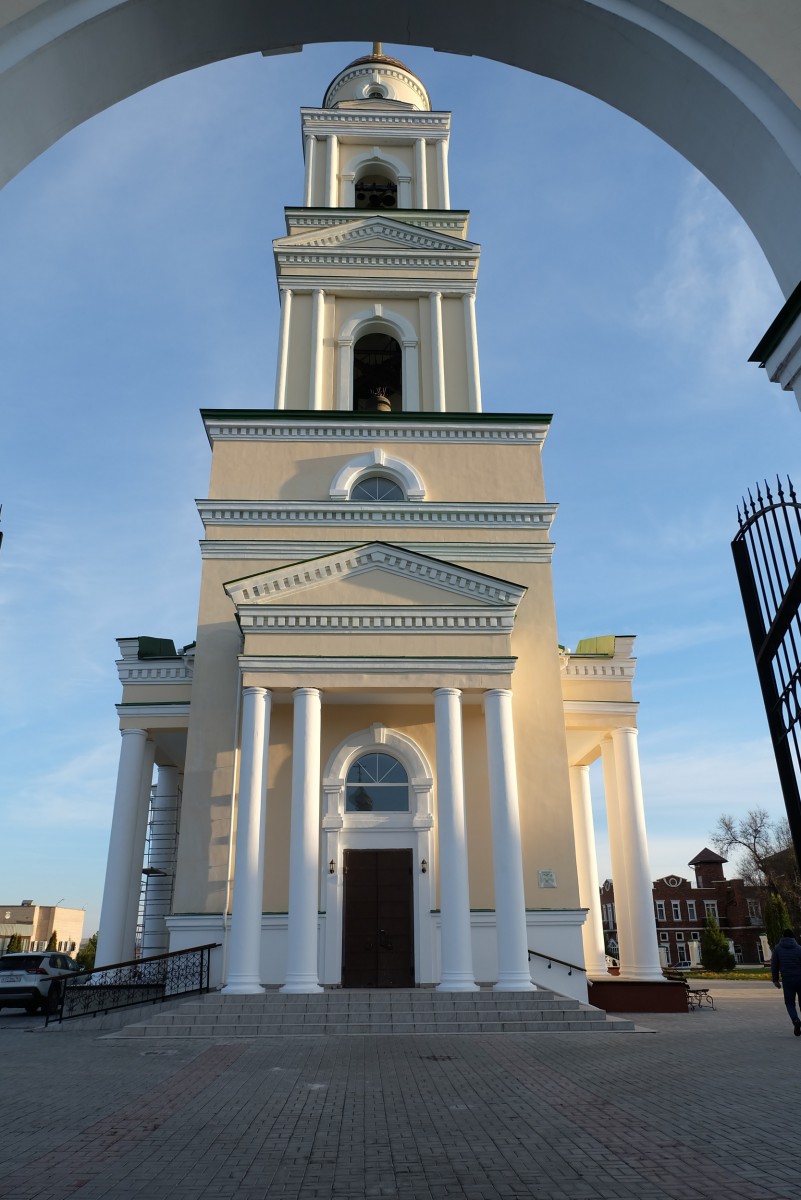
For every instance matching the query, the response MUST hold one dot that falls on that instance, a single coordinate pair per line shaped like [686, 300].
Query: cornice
[608, 670]
[387, 229]
[454, 220]
[290, 551]
[440, 668]
[179, 708]
[305, 426]
[168, 672]
[405, 123]
[352, 513]
[598, 708]
[372, 286]
[462, 619]
[264, 588]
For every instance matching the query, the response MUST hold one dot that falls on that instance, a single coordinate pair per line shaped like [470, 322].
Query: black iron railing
[767, 557]
[140, 981]
[549, 958]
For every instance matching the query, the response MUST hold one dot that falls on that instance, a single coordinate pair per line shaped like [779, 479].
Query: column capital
[625, 729]
[139, 732]
[497, 692]
[446, 691]
[306, 691]
[252, 690]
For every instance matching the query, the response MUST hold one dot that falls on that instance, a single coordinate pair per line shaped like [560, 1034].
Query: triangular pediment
[373, 574]
[376, 231]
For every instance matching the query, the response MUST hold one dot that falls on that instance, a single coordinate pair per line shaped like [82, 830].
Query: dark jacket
[786, 958]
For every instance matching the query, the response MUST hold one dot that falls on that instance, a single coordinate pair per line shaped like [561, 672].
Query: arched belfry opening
[377, 374]
[376, 190]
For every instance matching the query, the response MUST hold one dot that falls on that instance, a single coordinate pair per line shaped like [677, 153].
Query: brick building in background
[681, 909]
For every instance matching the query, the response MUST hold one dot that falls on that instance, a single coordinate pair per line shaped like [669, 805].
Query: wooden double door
[378, 919]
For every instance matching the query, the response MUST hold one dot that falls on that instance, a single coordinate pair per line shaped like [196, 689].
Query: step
[365, 1013]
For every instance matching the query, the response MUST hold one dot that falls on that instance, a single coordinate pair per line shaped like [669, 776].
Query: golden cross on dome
[378, 49]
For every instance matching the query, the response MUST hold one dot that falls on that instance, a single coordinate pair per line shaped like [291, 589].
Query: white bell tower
[376, 275]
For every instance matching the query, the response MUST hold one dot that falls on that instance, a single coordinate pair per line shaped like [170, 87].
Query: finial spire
[378, 49]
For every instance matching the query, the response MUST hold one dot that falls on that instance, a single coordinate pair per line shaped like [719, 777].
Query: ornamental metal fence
[767, 558]
[140, 981]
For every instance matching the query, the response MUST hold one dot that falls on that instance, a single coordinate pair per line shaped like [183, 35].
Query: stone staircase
[418, 1011]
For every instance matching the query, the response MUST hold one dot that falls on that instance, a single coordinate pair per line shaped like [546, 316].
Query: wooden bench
[696, 997]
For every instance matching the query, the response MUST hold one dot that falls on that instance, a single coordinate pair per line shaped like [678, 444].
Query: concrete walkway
[702, 1107]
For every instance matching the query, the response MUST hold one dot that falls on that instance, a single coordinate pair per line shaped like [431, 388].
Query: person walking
[786, 961]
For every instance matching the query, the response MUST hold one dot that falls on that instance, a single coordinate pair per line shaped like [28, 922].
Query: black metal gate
[767, 558]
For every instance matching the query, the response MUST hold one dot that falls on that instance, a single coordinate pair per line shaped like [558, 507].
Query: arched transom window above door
[376, 783]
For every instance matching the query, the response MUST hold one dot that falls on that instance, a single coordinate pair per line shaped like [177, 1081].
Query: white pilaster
[347, 183]
[138, 852]
[471, 344]
[332, 171]
[592, 932]
[405, 191]
[457, 950]
[308, 183]
[442, 172]
[437, 351]
[507, 851]
[421, 172]
[616, 854]
[244, 944]
[318, 329]
[344, 396]
[283, 348]
[163, 836]
[644, 952]
[116, 890]
[304, 845]
[411, 379]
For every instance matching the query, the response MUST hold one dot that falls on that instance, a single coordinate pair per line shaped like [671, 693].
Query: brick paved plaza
[702, 1106]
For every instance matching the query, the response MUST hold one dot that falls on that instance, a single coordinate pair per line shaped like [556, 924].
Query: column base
[645, 975]
[243, 987]
[458, 983]
[515, 984]
[300, 984]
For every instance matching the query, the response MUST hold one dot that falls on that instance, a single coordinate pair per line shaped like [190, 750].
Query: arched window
[376, 782]
[376, 191]
[377, 374]
[377, 487]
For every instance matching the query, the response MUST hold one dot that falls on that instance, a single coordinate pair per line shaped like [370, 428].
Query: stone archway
[719, 109]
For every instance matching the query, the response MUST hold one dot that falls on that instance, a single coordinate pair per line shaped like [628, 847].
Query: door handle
[384, 942]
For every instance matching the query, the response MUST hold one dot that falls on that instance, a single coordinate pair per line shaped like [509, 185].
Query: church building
[372, 766]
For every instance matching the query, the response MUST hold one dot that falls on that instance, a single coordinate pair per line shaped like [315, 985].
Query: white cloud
[715, 290]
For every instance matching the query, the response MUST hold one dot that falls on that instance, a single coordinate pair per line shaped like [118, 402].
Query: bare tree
[767, 858]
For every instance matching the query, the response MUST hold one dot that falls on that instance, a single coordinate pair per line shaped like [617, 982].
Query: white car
[30, 980]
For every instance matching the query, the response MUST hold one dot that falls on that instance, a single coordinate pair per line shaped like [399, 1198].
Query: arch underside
[61, 64]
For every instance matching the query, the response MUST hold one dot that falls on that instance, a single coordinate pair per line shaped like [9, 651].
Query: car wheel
[32, 1007]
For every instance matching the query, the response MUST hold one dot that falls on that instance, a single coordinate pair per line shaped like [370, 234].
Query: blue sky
[618, 290]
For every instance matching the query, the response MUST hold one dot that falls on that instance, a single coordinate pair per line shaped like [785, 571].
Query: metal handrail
[169, 976]
[551, 958]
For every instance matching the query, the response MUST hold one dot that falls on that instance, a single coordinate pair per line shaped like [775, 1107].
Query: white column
[592, 932]
[304, 845]
[318, 329]
[137, 852]
[471, 342]
[308, 183]
[616, 854]
[163, 838]
[644, 954]
[283, 348]
[420, 172]
[332, 171]
[114, 909]
[244, 944]
[437, 350]
[442, 172]
[454, 890]
[507, 851]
